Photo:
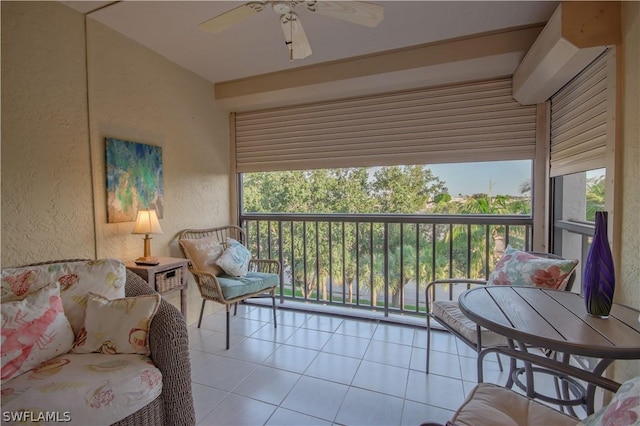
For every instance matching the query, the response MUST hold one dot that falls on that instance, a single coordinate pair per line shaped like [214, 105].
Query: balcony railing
[379, 262]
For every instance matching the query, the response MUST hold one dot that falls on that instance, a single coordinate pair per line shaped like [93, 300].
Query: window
[576, 199]
[375, 236]
[582, 138]
[497, 187]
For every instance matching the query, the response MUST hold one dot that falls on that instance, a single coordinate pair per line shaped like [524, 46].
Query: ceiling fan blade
[358, 12]
[294, 36]
[225, 20]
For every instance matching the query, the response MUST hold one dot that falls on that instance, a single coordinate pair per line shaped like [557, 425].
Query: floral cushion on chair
[624, 408]
[521, 268]
[34, 330]
[127, 328]
[93, 389]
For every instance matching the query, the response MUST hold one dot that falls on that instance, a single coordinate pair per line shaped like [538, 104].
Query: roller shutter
[579, 121]
[463, 123]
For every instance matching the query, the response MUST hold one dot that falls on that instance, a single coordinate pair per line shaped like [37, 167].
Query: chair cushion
[93, 389]
[492, 405]
[522, 268]
[126, 331]
[450, 314]
[252, 282]
[235, 259]
[624, 408]
[34, 330]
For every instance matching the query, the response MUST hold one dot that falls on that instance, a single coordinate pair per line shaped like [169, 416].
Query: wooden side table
[168, 276]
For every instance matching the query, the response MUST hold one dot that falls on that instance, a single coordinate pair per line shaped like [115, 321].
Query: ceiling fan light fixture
[281, 7]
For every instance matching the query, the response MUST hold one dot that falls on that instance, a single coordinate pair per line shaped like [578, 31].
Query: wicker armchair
[261, 280]
[169, 344]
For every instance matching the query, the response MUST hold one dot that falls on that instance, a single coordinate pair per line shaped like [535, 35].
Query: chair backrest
[220, 234]
[572, 277]
[202, 255]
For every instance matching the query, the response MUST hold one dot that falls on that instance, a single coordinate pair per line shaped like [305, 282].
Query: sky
[494, 178]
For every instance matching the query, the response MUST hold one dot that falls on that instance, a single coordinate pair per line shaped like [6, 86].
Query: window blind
[462, 123]
[579, 121]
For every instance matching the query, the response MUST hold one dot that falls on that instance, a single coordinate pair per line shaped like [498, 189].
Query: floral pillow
[34, 330]
[521, 268]
[119, 326]
[235, 259]
[624, 408]
[203, 253]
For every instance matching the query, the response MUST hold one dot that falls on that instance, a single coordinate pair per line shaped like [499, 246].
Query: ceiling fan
[357, 12]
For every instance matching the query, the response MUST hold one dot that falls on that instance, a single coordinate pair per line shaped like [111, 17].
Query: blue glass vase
[598, 281]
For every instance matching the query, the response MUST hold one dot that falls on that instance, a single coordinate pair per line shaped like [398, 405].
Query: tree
[350, 254]
[404, 189]
[595, 196]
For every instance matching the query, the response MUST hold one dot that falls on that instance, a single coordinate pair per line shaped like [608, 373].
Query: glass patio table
[557, 321]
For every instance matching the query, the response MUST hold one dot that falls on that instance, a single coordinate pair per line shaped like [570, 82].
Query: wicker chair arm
[169, 344]
[265, 265]
[207, 284]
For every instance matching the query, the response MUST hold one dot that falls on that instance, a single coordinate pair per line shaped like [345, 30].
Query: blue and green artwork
[134, 179]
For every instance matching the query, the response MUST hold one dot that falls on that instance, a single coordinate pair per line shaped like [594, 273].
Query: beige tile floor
[320, 370]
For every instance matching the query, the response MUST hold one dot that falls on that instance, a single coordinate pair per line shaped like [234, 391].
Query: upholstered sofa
[78, 359]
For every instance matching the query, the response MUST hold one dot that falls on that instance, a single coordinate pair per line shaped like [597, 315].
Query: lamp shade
[147, 223]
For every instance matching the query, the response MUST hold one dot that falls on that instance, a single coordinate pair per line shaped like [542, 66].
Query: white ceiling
[256, 46]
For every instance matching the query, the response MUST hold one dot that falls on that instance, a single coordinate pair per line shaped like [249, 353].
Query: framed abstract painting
[134, 179]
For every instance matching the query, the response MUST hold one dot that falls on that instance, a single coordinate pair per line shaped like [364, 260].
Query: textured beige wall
[46, 184]
[628, 278]
[138, 95]
[630, 253]
[56, 114]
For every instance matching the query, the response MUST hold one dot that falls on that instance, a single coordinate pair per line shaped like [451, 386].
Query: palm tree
[525, 187]
[595, 196]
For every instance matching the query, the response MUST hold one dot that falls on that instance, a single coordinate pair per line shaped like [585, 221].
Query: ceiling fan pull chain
[291, 32]
[286, 20]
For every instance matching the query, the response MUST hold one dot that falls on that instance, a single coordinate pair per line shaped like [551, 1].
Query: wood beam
[592, 23]
[430, 54]
[576, 34]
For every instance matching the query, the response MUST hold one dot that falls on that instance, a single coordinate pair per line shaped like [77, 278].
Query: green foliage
[322, 257]
[404, 189]
[485, 204]
[442, 198]
[595, 196]
[390, 190]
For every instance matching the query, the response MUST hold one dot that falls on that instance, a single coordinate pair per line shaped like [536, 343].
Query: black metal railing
[379, 262]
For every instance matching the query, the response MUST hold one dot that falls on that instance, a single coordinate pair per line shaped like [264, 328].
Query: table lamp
[147, 223]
